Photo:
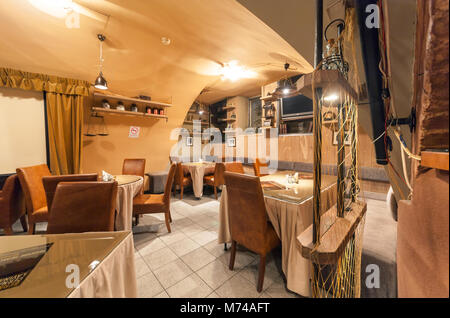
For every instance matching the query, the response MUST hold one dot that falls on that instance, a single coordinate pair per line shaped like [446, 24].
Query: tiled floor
[190, 263]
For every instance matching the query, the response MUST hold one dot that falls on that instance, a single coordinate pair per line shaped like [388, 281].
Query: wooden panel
[335, 233]
[434, 159]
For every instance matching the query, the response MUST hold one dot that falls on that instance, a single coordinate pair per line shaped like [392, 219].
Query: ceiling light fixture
[233, 71]
[100, 81]
[287, 87]
[331, 98]
[57, 9]
[166, 41]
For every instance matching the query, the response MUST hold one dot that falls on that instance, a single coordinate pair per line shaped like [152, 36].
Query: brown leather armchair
[134, 167]
[33, 189]
[236, 167]
[156, 203]
[257, 165]
[182, 179]
[217, 179]
[50, 183]
[12, 205]
[83, 207]
[249, 224]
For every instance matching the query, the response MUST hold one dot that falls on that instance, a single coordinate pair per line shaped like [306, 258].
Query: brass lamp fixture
[287, 88]
[100, 81]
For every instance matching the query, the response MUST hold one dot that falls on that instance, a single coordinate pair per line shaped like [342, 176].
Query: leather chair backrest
[247, 210]
[135, 167]
[169, 183]
[33, 189]
[11, 200]
[50, 183]
[236, 167]
[219, 177]
[83, 207]
[260, 168]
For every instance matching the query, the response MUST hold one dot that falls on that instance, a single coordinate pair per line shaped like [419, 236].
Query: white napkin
[106, 176]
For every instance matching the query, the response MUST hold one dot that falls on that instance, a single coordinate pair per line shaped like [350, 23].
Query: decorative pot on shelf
[120, 106]
[148, 110]
[105, 104]
[134, 108]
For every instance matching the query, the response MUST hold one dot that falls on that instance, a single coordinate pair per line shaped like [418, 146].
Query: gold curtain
[64, 98]
[65, 118]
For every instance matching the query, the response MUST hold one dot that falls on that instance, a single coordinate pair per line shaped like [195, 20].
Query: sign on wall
[134, 132]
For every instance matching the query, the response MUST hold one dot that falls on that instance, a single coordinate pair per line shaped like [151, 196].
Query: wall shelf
[127, 113]
[133, 100]
[435, 159]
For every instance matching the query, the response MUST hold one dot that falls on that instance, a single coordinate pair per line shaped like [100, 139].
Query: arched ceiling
[203, 34]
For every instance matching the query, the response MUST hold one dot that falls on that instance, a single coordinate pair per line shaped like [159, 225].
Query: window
[255, 112]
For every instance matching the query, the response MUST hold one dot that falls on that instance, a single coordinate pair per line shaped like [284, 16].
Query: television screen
[299, 105]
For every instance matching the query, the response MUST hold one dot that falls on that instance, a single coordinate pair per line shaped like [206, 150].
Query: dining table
[77, 265]
[128, 187]
[198, 170]
[289, 208]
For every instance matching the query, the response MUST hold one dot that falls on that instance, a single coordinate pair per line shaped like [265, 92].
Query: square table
[42, 265]
[289, 208]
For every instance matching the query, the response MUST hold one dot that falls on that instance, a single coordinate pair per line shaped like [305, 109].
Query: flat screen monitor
[296, 106]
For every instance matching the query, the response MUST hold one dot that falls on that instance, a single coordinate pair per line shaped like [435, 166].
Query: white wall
[22, 129]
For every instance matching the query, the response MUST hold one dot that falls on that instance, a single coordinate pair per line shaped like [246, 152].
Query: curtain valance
[41, 82]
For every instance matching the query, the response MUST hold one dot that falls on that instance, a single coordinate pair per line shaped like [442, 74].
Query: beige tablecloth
[114, 277]
[198, 170]
[290, 212]
[129, 187]
[101, 263]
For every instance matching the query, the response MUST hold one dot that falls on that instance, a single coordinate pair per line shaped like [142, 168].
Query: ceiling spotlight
[233, 71]
[166, 41]
[57, 9]
[100, 81]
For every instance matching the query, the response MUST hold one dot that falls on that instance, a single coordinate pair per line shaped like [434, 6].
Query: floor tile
[216, 249]
[169, 238]
[141, 268]
[160, 258]
[163, 294]
[170, 274]
[278, 290]
[242, 259]
[215, 274]
[198, 258]
[192, 229]
[184, 246]
[251, 271]
[204, 237]
[150, 246]
[237, 287]
[148, 286]
[190, 287]
[213, 295]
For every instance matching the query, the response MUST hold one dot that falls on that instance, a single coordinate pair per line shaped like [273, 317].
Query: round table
[128, 187]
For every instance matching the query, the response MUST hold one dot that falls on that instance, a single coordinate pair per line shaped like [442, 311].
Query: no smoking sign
[134, 132]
